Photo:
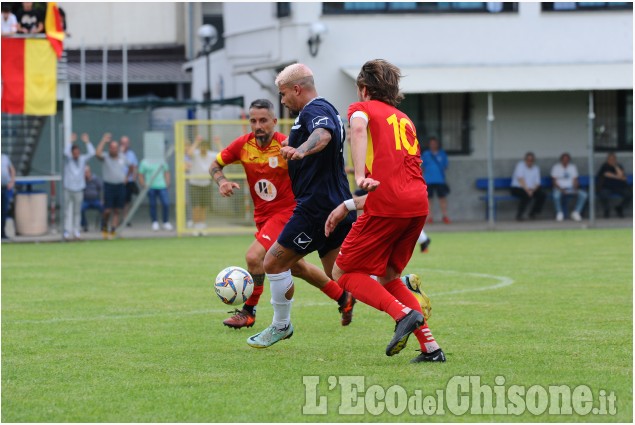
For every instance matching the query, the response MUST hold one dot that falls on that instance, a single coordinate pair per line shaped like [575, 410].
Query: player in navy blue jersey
[314, 151]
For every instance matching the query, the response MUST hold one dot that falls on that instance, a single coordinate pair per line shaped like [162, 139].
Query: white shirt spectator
[74, 179]
[200, 166]
[531, 175]
[10, 24]
[564, 176]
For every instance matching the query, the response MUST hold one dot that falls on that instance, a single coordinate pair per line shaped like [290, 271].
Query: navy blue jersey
[319, 181]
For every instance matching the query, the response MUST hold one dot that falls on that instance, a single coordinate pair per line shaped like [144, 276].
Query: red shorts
[374, 243]
[269, 230]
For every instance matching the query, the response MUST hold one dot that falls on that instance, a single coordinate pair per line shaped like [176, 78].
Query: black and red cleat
[346, 308]
[240, 319]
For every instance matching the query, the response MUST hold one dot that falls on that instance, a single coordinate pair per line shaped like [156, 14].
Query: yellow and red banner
[29, 76]
[54, 28]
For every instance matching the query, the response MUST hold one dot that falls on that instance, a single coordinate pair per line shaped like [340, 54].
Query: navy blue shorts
[114, 196]
[305, 234]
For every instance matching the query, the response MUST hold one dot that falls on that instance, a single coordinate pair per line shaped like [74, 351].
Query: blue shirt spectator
[434, 164]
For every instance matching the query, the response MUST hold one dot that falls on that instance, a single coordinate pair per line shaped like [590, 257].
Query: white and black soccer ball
[234, 285]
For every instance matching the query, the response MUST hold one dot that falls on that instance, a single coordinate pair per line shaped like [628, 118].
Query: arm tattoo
[220, 178]
[316, 142]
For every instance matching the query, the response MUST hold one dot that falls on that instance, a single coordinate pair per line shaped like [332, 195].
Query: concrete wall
[134, 23]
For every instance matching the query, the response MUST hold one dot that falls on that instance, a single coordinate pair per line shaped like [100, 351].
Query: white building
[540, 61]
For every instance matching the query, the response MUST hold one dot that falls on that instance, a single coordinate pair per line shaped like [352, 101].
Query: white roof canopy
[505, 78]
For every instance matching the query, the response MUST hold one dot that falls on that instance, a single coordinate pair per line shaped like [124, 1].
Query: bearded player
[270, 188]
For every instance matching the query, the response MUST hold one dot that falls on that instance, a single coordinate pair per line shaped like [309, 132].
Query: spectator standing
[9, 20]
[74, 183]
[92, 196]
[30, 20]
[114, 165]
[435, 164]
[156, 175]
[8, 182]
[564, 175]
[200, 185]
[526, 186]
[131, 170]
[612, 181]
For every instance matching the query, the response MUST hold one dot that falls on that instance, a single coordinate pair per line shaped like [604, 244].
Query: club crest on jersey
[302, 240]
[273, 161]
[319, 121]
[265, 190]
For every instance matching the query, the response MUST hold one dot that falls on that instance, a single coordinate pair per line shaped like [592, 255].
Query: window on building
[418, 7]
[613, 120]
[565, 6]
[445, 116]
[283, 9]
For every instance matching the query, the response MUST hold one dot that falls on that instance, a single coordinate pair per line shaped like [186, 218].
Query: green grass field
[130, 331]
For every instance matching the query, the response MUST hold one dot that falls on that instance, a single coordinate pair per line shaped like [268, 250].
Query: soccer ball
[234, 285]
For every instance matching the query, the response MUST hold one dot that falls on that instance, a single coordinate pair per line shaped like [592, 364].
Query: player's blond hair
[296, 73]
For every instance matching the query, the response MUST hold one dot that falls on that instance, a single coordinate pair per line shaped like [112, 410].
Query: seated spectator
[612, 181]
[526, 186]
[30, 19]
[9, 21]
[156, 175]
[92, 196]
[564, 176]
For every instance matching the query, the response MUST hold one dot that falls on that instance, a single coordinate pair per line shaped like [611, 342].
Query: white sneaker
[167, 226]
[77, 234]
[560, 216]
[155, 225]
[575, 216]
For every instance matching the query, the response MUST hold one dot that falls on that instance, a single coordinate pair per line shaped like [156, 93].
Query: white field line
[503, 281]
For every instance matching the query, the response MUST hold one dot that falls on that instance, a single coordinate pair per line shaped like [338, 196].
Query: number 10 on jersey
[399, 127]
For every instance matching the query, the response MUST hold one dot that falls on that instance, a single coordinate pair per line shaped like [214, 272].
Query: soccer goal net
[200, 208]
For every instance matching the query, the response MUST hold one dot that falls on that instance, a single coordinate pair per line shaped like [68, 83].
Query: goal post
[200, 209]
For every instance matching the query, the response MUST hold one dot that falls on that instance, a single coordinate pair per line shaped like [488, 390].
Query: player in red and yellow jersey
[270, 188]
[386, 158]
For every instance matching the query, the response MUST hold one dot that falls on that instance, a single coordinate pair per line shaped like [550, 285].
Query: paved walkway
[142, 230]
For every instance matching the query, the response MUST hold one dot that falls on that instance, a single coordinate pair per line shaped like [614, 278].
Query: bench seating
[504, 183]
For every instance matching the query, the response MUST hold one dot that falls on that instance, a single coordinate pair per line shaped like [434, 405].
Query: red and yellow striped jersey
[267, 174]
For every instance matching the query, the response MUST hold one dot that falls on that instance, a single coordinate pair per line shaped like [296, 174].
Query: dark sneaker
[436, 356]
[424, 246]
[347, 309]
[240, 319]
[620, 212]
[403, 329]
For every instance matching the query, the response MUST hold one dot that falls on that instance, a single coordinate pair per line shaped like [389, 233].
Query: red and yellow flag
[54, 28]
[29, 76]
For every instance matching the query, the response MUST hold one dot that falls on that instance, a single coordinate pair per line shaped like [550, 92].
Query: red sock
[333, 290]
[403, 294]
[255, 296]
[426, 340]
[370, 292]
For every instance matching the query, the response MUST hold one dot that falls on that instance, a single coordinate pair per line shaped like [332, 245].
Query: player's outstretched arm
[342, 211]
[225, 187]
[316, 141]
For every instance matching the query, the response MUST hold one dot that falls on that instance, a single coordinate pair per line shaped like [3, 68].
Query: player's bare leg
[321, 280]
[246, 317]
[277, 265]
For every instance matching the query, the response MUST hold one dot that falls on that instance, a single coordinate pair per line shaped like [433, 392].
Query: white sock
[280, 283]
[422, 237]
